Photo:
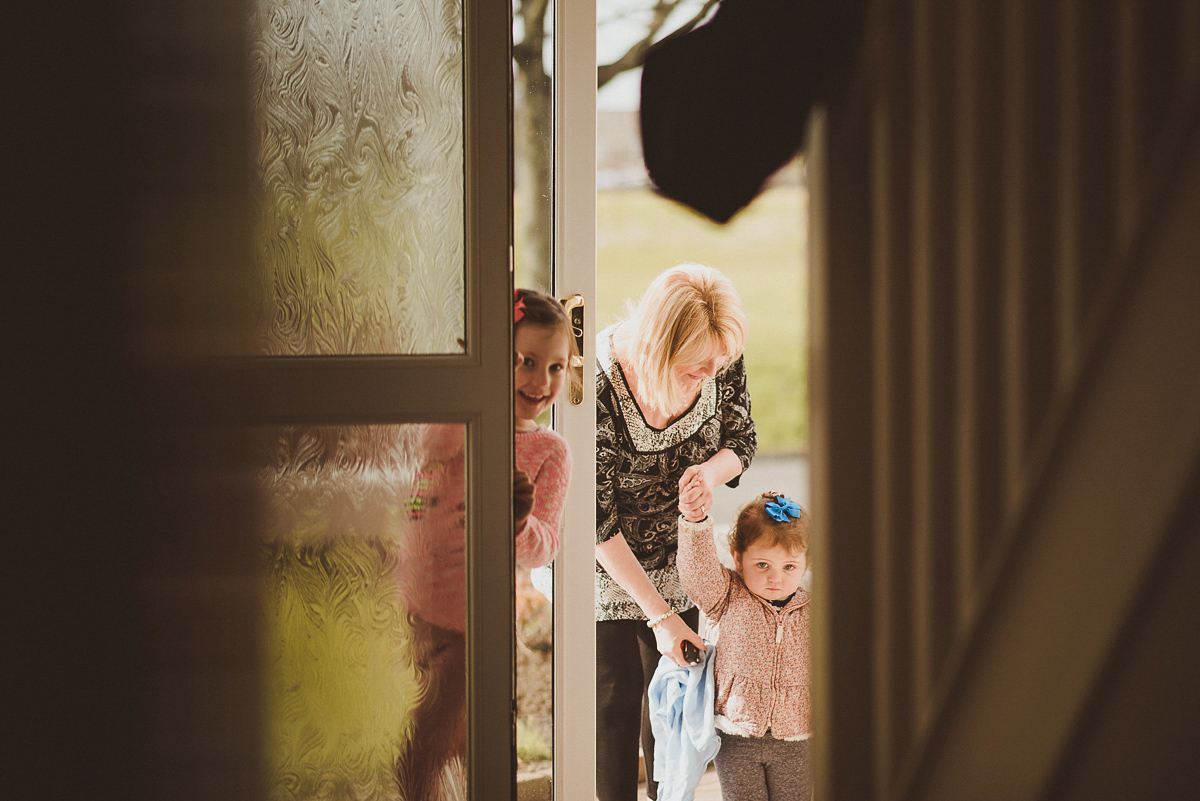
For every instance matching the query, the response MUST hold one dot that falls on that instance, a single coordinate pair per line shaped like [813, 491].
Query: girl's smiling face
[541, 367]
[770, 572]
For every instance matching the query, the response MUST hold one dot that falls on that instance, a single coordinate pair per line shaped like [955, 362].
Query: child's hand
[692, 512]
[695, 493]
[522, 499]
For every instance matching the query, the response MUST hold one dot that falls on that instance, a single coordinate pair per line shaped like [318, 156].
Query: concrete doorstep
[538, 785]
[535, 786]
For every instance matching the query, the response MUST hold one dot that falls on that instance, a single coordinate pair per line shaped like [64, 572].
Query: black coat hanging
[724, 106]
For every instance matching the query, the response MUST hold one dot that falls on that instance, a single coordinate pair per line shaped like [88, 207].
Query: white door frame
[575, 272]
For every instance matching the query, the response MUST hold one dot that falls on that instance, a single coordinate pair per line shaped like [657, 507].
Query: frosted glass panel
[358, 108]
[365, 660]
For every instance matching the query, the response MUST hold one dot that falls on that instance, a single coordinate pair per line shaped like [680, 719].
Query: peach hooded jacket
[762, 665]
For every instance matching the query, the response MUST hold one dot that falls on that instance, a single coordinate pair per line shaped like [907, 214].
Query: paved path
[786, 474]
[709, 788]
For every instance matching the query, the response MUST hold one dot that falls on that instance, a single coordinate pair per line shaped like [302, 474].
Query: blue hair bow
[783, 508]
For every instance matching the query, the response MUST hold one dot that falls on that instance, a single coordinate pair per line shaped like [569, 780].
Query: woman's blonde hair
[688, 314]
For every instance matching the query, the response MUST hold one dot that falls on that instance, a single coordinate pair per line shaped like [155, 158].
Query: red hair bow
[518, 307]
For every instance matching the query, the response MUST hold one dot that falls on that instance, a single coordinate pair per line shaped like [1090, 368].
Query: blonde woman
[672, 422]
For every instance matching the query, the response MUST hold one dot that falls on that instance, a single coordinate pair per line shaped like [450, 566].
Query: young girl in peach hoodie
[762, 659]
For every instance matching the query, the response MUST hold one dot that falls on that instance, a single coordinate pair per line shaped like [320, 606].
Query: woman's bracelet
[654, 621]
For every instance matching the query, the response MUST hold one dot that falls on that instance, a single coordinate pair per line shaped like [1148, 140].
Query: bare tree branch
[534, 116]
[636, 54]
[691, 23]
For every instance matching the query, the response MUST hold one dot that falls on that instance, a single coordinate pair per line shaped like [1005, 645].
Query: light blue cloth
[681, 717]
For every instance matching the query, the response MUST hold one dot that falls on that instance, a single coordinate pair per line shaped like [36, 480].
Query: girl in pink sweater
[762, 658]
[433, 572]
[544, 346]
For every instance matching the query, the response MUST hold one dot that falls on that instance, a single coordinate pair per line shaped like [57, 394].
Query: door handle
[574, 308]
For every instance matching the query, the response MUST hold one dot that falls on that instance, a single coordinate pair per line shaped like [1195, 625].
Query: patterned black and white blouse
[638, 468]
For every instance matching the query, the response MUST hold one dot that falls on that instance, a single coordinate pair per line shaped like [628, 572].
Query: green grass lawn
[762, 250]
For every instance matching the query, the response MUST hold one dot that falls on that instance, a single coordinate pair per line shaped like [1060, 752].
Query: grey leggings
[763, 769]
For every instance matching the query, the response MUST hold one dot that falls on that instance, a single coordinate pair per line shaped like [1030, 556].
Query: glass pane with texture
[358, 110]
[366, 600]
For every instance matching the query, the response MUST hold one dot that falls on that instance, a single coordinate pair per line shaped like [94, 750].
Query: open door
[382, 387]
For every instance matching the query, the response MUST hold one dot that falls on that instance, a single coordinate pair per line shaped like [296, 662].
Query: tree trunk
[534, 131]
[534, 123]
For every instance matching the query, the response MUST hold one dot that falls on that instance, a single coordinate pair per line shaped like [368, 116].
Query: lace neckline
[644, 435]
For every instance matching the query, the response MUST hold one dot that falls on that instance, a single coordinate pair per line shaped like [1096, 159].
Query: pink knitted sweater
[543, 455]
[762, 665]
[432, 571]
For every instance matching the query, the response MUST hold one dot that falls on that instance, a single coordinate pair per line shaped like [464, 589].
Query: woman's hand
[670, 635]
[671, 632]
[695, 492]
